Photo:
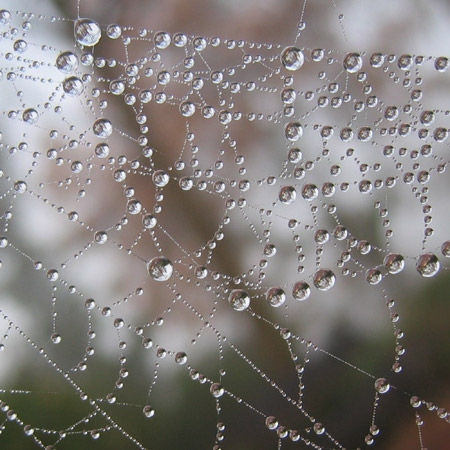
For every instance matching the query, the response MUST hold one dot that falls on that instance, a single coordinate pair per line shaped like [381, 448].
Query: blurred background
[89, 390]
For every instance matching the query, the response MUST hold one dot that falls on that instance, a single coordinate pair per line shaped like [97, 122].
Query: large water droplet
[287, 194]
[87, 32]
[382, 386]
[276, 297]
[445, 249]
[30, 116]
[5, 17]
[394, 263]
[102, 128]
[73, 86]
[160, 178]
[353, 62]
[301, 291]
[293, 131]
[310, 192]
[292, 58]
[239, 300]
[324, 279]
[160, 268]
[428, 265]
[217, 390]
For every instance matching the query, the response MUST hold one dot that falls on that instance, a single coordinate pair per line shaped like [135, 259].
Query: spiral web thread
[183, 210]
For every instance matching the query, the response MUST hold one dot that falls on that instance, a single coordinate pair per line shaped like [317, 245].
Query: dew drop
[324, 279]
[20, 187]
[310, 192]
[445, 249]
[160, 178]
[301, 291]
[87, 32]
[275, 297]
[353, 62]
[394, 263]
[5, 17]
[73, 86]
[160, 268]
[217, 390]
[148, 411]
[56, 338]
[30, 116]
[428, 265]
[101, 237]
[102, 128]
[134, 207]
[293, 131]
[292, 58]
[382, 386]
[287, 195]
[239, 299]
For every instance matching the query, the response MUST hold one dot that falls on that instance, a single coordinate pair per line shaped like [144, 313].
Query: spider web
[215, 242]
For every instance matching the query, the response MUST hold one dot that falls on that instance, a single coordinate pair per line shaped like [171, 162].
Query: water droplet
[20, 46]
[441, 64]
[292, 58]
[52, 275]
[56, 338]
[181, 358]
[288, 96]
[187, 109]
[324, 279]
[134, 207]
[117, 87]
[217, 390]
[271, 423]
[287, 194]
[319, 428]
[275, 296]
[30, 116]
[270, 250]
[20, 187]
[353, 62]
[445, 249]
[293, 131]
[102, 150]
[102, 128]
[73, 86]
[87, 32]
[428, 265]
[394, 263]
[310, 192]
[382, 386]
[160, 268]
[162, 40]
[374, 276]
[148, 411]
[239, 300]
[149, 221]
[101, 237]
[113, 31]
[160, 178]
[301, 291]
[5, 17]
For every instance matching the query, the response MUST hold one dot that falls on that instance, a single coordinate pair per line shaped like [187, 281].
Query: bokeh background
[351, 321]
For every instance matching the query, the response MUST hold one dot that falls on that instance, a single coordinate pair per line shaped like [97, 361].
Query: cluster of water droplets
[95, 126]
